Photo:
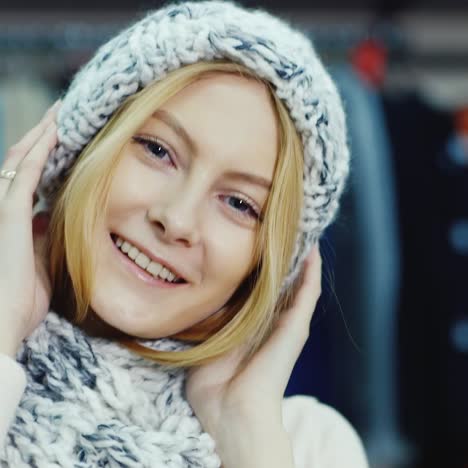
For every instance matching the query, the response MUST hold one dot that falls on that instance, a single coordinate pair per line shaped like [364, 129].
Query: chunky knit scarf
[89, 402]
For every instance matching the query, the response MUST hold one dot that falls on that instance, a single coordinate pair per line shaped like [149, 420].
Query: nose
[175, 218]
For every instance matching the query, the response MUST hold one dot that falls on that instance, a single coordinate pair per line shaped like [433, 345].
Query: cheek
[230, 252]
[134, 185]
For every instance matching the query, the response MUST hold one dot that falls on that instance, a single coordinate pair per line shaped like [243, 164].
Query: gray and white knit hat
[185, 33]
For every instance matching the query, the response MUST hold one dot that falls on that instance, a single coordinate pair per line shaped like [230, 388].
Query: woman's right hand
[24, 284]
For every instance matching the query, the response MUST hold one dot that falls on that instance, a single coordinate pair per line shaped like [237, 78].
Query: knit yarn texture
[186, 33]
[89, 402]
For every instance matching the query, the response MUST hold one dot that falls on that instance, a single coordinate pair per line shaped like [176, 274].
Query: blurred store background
[389, 341]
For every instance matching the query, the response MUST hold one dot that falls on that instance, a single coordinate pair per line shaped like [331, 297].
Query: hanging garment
[433, 313]
[368, 270]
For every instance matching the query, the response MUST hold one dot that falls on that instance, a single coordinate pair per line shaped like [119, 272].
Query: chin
[134, 324]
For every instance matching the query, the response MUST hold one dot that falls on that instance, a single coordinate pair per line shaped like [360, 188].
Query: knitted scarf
[89, 402]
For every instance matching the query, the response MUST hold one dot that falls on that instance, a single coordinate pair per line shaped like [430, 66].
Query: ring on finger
[10, 175]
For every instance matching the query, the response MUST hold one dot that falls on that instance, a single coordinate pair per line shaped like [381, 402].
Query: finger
[285, 344]
[17, 152]
[32, 136]
[4, 184]
[294, 324]
[30, 169]
[310, 287]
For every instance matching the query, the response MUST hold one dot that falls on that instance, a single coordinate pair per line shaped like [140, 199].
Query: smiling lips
[139, 258]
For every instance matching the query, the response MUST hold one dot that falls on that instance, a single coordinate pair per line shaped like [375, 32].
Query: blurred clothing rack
[48, 43]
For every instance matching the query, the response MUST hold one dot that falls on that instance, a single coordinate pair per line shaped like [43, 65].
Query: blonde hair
[83, 198]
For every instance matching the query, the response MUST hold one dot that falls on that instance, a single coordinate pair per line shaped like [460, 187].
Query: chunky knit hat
[185, 33]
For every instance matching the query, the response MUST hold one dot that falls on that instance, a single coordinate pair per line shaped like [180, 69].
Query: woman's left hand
[221, 395]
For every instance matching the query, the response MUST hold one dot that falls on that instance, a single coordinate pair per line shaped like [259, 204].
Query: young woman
[155, 320]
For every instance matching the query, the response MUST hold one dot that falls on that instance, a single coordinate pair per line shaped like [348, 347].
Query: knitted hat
[186, 33]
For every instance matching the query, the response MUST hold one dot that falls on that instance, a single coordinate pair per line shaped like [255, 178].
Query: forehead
[230, 116]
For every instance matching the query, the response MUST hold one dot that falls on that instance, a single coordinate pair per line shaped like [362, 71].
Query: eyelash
[251, 212]
[147, 142]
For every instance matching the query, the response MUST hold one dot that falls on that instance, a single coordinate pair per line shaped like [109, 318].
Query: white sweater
[321, 437]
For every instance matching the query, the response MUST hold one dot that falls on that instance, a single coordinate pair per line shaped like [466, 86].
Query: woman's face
[186, 196]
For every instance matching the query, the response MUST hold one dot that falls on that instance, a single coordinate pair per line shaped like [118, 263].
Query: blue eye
[156, 149]
[242, 206]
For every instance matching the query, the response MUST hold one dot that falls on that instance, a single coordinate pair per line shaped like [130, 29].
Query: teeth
[144, 262]
[133, 252]
[164, 273]
[154, 268]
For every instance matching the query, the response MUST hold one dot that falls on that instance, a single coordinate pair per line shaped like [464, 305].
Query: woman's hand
[240, 406]
[24, 283]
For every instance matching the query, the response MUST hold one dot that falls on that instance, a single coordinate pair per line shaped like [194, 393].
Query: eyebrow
[176, 126]
[250, 178]
[172, 122]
